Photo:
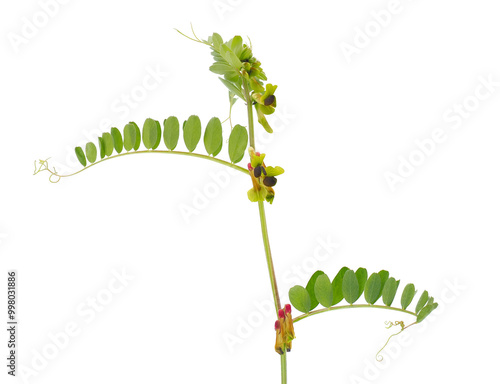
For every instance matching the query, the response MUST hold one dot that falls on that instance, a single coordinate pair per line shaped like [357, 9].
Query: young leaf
[192, 132]
[389, 292]
[230, 57]
[117, 139]
[361, 276]
[350, 286]
[299, 297]
[129, 134]
[372, 288]
[236, 45]
[337, 286]
[91, 152]
[310, 288]
[217, 41]
[223, 69]
[108, 143]
[80, 156]
[171, 133]
[102, 151]
[422, 301]
[426, 311]
[150, 133]
[232, 88]
[323, 290]
[407, 295]
[238, 140]
[213, 136]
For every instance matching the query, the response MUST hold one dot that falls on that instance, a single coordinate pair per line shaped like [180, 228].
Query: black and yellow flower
[263, 178]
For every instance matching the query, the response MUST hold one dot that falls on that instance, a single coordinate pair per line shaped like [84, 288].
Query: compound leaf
[337, 286]
[407, 295]
[426, 311]
[91, 152]
[192, 132]
[310, 288]
[151, 133]
[117, 139]
[323, 290]
[129, 134]
[372, 288]
[384, 275]
[299, 297]
[108, 143]
[80, 156]
[389, 291]
[350, 287]
[361, 276]
[422, 301]
[171, 133]
[213, 136]
[238, 140]
[102, 151]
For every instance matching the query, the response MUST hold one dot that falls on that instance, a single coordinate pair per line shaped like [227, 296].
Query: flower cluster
[284, 330]
[263, 178]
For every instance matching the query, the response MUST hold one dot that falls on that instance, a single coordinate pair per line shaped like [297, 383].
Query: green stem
[298, 318]
[206, 157]
[249, 113]
[283, 368]
[269, 258]
[263, 225]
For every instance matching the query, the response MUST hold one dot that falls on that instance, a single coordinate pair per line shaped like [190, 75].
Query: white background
[346, 121]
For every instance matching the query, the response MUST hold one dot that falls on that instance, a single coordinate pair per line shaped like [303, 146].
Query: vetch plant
[241, 73]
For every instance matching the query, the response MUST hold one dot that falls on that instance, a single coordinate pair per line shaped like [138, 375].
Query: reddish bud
[281, 314]
[288, 308]
[257, 153]
[249, 166]
[277, 325]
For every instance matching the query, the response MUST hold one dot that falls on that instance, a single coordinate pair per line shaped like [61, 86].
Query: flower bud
[281, 314]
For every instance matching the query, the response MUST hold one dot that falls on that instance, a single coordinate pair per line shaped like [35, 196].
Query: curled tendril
[389, 324]
[43, 165]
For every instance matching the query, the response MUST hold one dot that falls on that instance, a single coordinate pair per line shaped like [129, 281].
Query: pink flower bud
[257, 153]
[249, 166]
[288, 308]
[281, 314]
[277, 325]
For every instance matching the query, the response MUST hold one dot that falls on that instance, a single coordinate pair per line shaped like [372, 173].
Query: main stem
[263, 225]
